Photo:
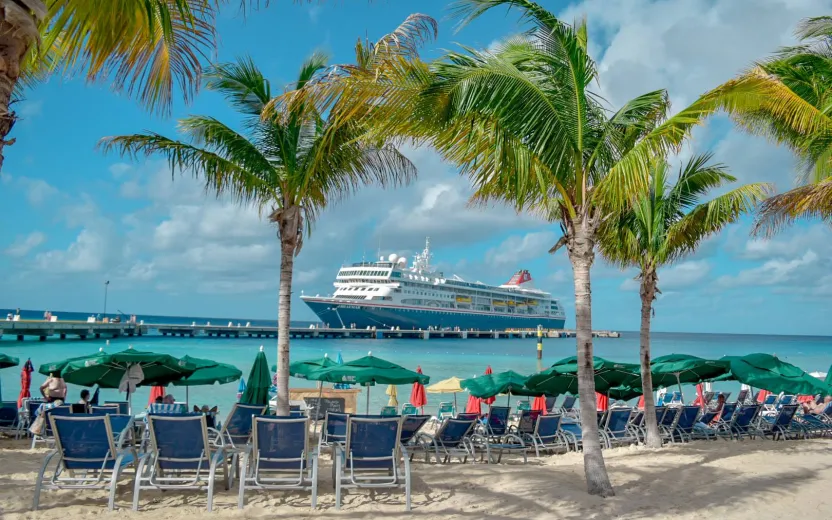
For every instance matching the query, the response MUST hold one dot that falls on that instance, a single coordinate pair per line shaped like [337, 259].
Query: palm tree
[292, 163]
[664, 224]
[144, 48]
[806, 70]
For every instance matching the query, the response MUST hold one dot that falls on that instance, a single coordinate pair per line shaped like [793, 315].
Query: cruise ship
[390, 294]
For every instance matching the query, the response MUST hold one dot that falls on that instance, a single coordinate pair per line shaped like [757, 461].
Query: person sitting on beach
[817, 408]
[54, 388]
[85, 397]
[158, 400]
[169, 399]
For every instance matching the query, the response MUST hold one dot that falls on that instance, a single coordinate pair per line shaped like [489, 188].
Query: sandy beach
[731, 480]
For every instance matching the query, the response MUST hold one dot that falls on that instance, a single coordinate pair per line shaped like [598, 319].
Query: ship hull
[362, 315]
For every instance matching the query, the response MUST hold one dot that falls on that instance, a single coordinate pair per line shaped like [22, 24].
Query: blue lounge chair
[617, 429]
[567, 407]
[236, 433]
[46, 435]
[164, 409]
[819, 424]
[780, 426]
[334, 430]
[742, 422]
[91, 454]
[370, 457]
[546, 435]
[464, 416]
[636, 424]
[496, 421]
[451, 439]
[409, 409]
[446, 409]
[389, 411]
[526, 422]
[411, 424]
[494, 435]
[741, 397]
[685, 423]
[30, 407]
[704, 427]
[573, 433]
[180, 456]
[10, 422]
[123, 406]
[668, 422]
[279, 458]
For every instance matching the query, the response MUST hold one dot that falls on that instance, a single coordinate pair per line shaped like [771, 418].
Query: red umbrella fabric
[805, 398]
[491, 399]
[156, 391]
[25, 382]
[474, 405]
[700, 396]
[602, 402]
[539, 404]
[761, 397]
[418, 398]
[641, 403]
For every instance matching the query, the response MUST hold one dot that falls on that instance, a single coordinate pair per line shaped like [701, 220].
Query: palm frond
[242, 84]
[813, 201]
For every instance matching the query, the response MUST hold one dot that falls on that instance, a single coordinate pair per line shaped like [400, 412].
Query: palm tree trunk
[288, 245]
[581, 254]
[648, 292]
[18, 32]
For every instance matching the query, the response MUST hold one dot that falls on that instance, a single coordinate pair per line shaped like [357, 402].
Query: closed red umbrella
[490, 400]
[474, 405]
[761, 397]
[155, 392]
[700, 396]
[641, 403]
[602, 402]
[539, 404]
[805, 398]
[418, 398]
[25, 382]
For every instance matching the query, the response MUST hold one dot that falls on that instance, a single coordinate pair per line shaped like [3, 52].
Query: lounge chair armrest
[513, 437]
[216, 437]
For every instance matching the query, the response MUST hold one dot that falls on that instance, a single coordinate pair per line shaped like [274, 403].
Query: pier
[84, 330]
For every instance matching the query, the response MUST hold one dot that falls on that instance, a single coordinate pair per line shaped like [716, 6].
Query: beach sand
[729, 480]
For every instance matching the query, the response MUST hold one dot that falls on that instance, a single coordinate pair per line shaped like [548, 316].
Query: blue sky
[74, 217]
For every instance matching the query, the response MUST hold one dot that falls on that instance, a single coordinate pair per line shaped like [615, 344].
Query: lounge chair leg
[406, 484]
[242, 494]
[114, 483]
[315, 481]
[137, 486]
[338, 479]
[39, 483]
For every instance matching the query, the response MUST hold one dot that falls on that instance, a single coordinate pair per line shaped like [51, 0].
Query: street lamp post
[106, 286]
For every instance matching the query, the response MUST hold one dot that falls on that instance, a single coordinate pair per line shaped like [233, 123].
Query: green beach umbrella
[302, 369]
[56, 367]
[770, 373]
[259, 382]
[108, 369]
[489, 385]
[828, 379]
[675, 369]
[562, 377]
[207, 373]
[624, 392]
[368, 370]
[7, 361]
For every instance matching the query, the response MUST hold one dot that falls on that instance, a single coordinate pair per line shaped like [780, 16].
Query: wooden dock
[84, 330]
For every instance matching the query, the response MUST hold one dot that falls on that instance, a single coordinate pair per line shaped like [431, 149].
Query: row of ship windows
[361, 289]
[349, 272]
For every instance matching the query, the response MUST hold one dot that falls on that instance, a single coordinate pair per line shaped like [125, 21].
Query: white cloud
[22, 245]
[684, 275]
[141, 271]
[772, 272]
[86, 254]
[38, 191]
[29, 109]
[516, 249]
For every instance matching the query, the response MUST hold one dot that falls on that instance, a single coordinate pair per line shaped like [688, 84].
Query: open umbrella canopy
[446, 386]
[108, 369]
[490, 385]
[301, 369]
[624, 393]
[259, 381]
[368, 370]
[775, 375]
[208, 372]
[675, 369]
[8, 361]
[562, 377]
[828, 379]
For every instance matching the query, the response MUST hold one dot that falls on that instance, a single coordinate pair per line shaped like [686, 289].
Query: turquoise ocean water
[439, 358]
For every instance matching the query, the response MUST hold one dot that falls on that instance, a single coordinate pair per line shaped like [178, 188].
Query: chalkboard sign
[318, 407]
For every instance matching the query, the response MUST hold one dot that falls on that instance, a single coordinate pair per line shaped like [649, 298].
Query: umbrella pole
[679, 381]
[187, 400]
[318, 410]
[455, 407]
[367, 409]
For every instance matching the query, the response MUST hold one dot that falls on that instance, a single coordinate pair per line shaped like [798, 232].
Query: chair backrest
[373, 443]
[568, 403]
[528, 421]
[687, 417]
[708, 417]
[84, 442]
[237, 426]
[446, 409]
[660, 411]
[726, 395]
[123, 406]
[119, 422]
[280, 442]
[78, 408]
[166, 409]
[670, 416]
[411, 424]
[498, 420]
[786, 400]
[708, 396]
[58, 410]
[467, 416]
[8, 413]
[785, 415]
[335, 427]
[547, 426]
[728, 411]
[294, 408]
[637, 418]
[297, 414]
[550, 403]
[179, 441]
[388, 411]
[744, 415]
[104, 409]
[770, 399]
[601, 416]
[742, 396]
[32, 406]
[409, 409]
[618, 419]
[453, 431]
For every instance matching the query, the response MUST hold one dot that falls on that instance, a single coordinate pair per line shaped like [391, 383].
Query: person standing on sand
[54, 388]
